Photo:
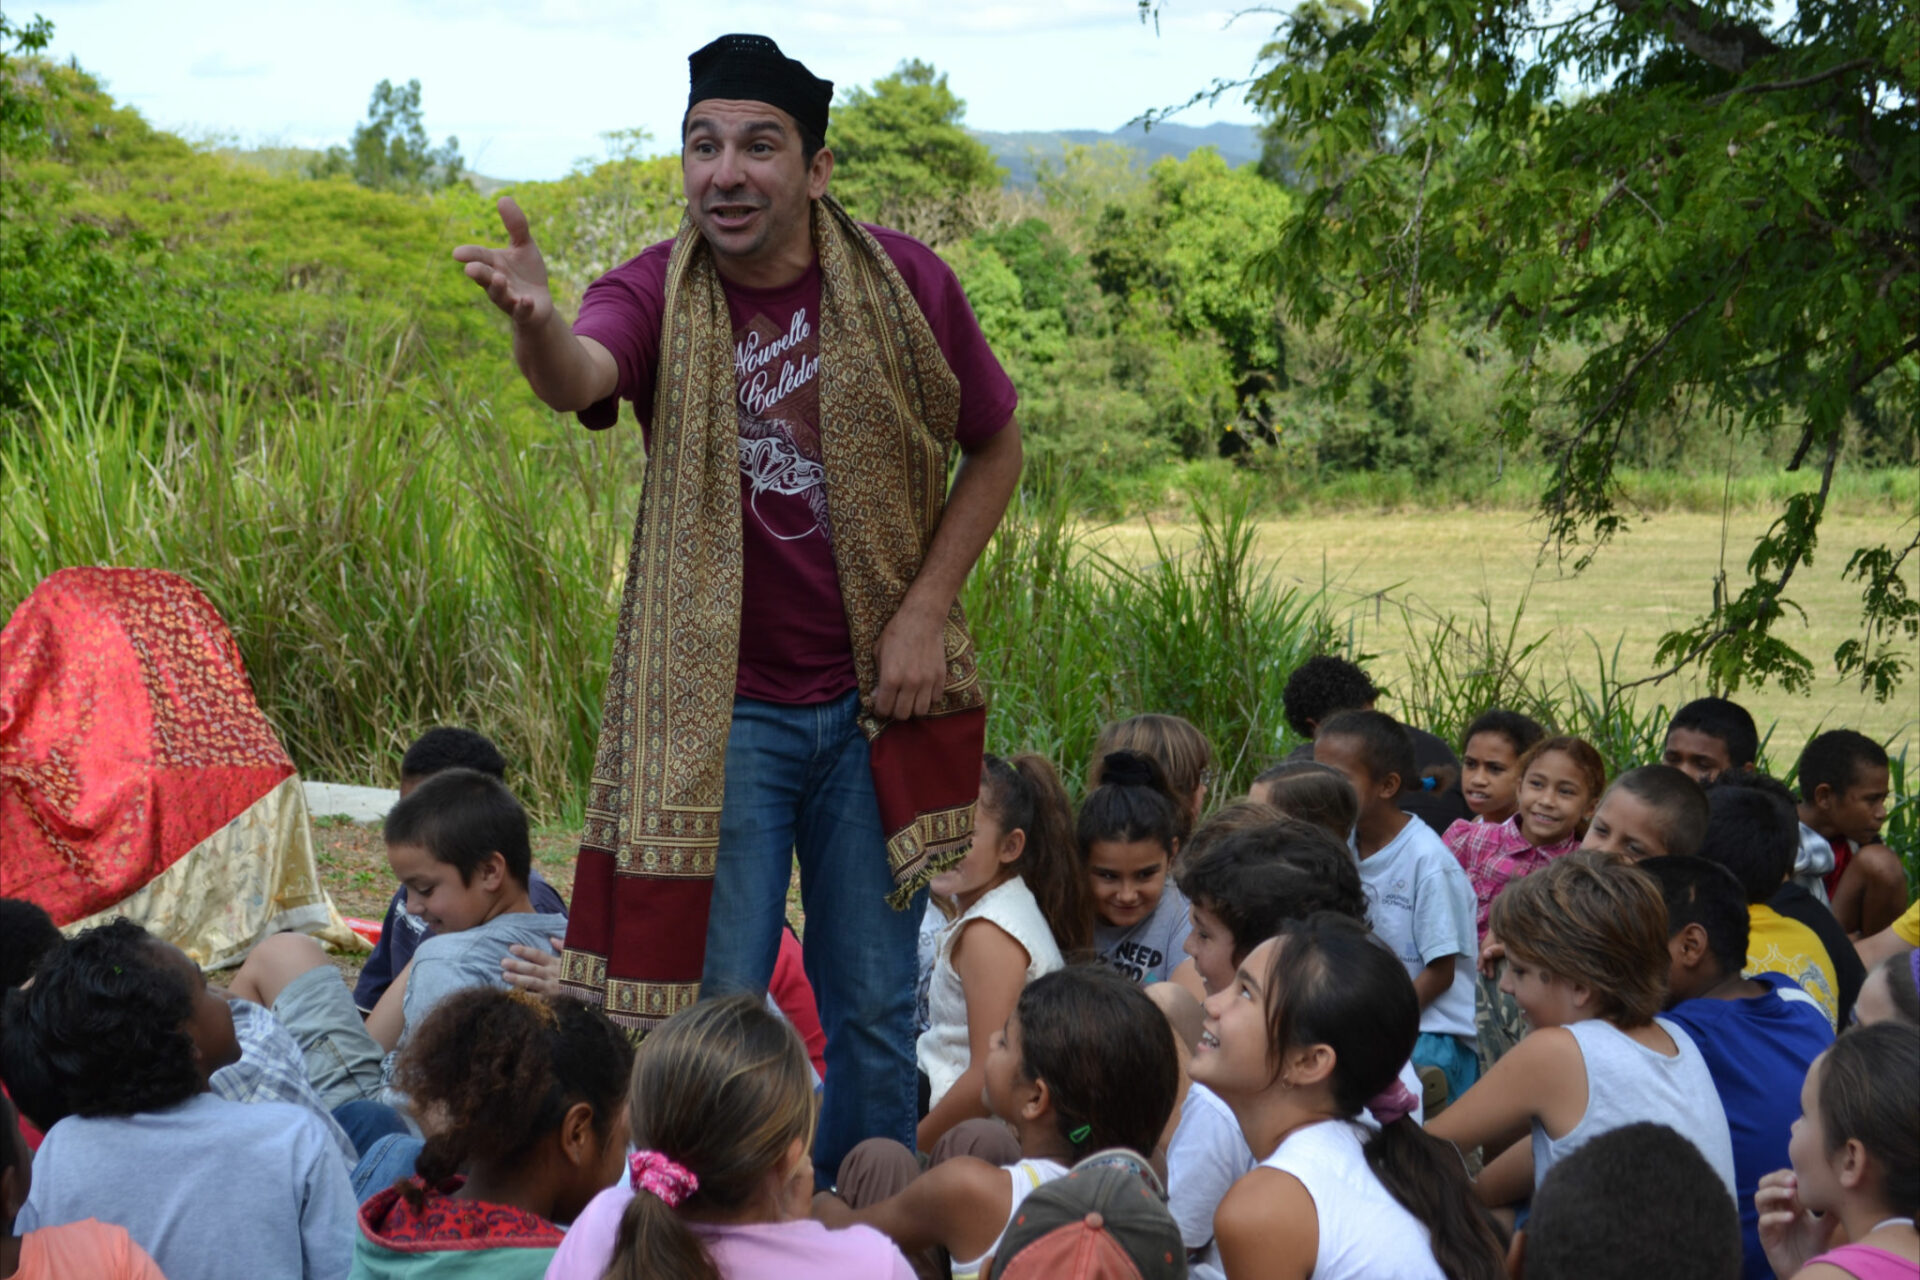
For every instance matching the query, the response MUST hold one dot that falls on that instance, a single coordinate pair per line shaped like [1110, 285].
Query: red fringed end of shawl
[638, 941]
[926, 776]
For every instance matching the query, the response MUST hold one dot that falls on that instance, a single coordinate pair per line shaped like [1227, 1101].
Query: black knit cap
[752, 69]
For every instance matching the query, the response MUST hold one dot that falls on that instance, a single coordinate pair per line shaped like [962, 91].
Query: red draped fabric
[128, 735]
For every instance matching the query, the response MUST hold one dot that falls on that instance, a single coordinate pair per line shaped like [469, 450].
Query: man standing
[791, 672]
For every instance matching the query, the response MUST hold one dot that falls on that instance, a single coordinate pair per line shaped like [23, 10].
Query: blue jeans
[798, 783]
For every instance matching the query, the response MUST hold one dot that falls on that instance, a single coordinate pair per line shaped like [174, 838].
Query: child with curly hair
[525, 1102]
[110, 1050]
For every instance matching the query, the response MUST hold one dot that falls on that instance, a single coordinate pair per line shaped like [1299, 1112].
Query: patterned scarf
[636, 938]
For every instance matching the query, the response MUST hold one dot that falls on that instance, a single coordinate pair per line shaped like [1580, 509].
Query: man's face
[749, 188]
[1700, 756]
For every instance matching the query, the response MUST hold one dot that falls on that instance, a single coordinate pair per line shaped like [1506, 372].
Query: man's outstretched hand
[515, 277]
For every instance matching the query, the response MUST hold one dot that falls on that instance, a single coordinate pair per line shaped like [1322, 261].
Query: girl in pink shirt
[1856, 1164]
[720, 1184]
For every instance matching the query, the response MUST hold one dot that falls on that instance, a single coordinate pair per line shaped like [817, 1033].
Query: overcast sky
[528, 87]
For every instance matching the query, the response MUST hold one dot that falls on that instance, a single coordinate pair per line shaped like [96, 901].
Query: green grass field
[1652, 579]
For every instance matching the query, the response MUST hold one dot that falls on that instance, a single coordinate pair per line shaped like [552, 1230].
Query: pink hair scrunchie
[1395, 1102]
[670, 1181]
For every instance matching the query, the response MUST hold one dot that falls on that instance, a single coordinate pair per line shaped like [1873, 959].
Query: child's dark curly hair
[1320, 687]
[27, 934]
[102, 1031]
[493, 1072]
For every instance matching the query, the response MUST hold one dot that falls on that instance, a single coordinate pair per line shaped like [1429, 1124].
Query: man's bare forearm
[981, 489]
[567, 372]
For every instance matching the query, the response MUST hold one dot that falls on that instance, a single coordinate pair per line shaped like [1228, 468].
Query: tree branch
[1780, 86]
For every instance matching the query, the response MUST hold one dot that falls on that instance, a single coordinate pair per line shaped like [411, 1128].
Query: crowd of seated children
[1750, 832]
[1128, 830]
[1854, 1165]
[1660, 981]
[1019, 898]
[1087, 1062]
[1323, 687]
[109, 1050]
[402, 931]
[1242, 889]
[1421, 901]
[526, 1106]
[1758, 1035]
[1586, 956]
[1844, 785]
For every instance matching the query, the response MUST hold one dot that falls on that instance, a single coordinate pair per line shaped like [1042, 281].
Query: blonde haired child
[722, 1115]
[1181, 750]
[1587, 959]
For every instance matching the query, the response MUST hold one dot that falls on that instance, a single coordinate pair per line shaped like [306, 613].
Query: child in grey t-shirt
[1128, 829]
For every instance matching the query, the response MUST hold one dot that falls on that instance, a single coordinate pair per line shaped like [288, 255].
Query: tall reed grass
[386, 557]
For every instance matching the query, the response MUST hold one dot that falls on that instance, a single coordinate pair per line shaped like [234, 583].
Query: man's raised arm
[569, 373]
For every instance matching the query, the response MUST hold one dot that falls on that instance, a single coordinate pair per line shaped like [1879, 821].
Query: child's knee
[1883, 870]
[275, 962]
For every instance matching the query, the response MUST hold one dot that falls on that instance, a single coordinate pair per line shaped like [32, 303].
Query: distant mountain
[1237, 144]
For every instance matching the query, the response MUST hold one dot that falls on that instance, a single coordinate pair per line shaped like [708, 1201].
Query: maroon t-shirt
[794, 644]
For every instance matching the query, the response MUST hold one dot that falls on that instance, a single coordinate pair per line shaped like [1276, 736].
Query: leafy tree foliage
[390, 150]
[1723, 220]
[900, 146]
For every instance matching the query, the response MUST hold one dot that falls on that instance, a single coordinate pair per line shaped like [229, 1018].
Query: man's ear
[819, 172]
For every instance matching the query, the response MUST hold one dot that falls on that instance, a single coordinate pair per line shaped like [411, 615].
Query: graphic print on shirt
[1136, 959]
[780, 469]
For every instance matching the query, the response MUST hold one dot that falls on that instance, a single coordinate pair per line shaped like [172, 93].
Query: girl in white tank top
[1016, 888]
[1308, 1038]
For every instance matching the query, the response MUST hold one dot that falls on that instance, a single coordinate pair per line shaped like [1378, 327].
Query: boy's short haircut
[1752, 831]
[27, 934]
[1312, 792]
[1702, 892]
[1321, 686]
[1725, 720]
[450, 748]
[1591, 919]
[1678, 798]
[1256, 880]
[1835, 759]
[1385, 745]
[1521, 732]
[461, 817]
[1636, 1202]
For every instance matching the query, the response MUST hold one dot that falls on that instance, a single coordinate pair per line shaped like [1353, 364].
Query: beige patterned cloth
[888, 406]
